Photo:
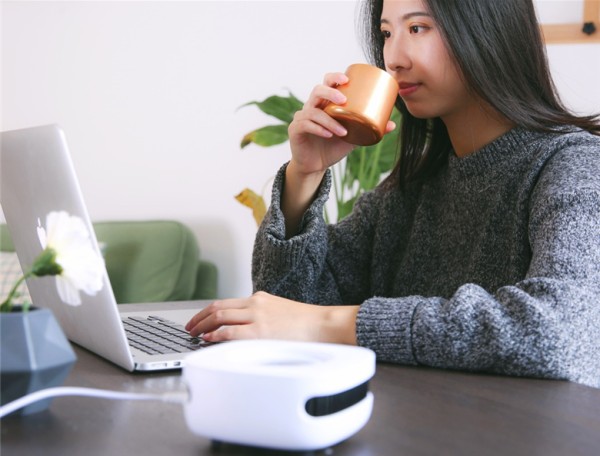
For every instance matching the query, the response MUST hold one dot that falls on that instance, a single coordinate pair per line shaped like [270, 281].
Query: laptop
[37, 177]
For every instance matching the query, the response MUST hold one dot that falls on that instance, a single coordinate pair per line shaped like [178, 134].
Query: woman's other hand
[265, 316]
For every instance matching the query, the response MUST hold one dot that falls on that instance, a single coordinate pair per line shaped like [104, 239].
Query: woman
[481, 251]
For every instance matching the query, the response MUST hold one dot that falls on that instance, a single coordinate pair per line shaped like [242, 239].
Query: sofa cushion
[149, 261]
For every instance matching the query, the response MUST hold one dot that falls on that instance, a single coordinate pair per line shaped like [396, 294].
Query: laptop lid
[37, 177]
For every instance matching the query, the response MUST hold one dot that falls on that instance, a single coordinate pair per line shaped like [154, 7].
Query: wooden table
[417, 411]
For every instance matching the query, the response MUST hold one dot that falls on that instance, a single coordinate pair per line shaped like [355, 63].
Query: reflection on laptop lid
[37, 177]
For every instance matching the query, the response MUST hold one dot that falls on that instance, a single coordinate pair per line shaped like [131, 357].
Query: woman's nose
[396, 56]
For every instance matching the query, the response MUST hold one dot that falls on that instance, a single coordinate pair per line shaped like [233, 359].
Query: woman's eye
[385, 34]
[416, 28]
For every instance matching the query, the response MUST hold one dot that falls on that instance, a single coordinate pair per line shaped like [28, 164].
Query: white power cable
[179, 397]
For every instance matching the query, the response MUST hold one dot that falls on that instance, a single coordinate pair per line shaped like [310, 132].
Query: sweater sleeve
[322, 264]
[547, 325]
[291, 267]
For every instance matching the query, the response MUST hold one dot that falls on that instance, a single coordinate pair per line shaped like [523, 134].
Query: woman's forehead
[399, 10]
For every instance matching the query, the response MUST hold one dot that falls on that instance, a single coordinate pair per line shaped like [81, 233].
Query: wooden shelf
[573, 33]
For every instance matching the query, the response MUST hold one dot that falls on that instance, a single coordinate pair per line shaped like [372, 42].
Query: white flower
[81, 268]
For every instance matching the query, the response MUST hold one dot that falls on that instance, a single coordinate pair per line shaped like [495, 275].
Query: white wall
[148, 92]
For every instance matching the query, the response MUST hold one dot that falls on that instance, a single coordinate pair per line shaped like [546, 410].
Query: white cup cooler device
[279, 394]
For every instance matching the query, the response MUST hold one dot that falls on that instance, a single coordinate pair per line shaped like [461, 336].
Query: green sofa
[149, 261]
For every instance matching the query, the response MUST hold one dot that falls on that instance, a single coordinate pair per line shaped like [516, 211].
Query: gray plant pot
[34, 354]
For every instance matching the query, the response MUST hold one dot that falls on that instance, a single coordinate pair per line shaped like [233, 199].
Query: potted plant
[34, 352]
[360, 171]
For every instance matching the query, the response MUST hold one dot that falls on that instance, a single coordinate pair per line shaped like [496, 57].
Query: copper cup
[371, 94]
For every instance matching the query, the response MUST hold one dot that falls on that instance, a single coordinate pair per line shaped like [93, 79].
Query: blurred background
[148, 94]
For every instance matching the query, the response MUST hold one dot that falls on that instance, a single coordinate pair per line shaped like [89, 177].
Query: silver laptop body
[36, 177]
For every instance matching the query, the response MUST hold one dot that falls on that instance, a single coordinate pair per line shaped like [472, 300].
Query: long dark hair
[498, 48]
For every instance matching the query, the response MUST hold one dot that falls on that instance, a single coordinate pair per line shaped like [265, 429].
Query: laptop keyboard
[155, 335]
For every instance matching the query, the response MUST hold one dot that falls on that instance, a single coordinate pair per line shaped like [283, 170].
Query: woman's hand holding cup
[315, 137]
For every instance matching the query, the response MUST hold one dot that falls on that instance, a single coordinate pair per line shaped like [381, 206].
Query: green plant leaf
[266, 136]
[366, 165]
[345, 207]
[282, 108]
[255, 202]
[390, 145]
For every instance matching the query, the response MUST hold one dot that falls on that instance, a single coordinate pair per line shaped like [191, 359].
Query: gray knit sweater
[493, 265]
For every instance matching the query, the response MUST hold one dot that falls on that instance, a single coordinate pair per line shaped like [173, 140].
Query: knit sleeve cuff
[385, 326]
[275, 220]
[272, 246]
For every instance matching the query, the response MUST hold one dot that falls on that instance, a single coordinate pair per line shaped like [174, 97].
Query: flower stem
[7, 304]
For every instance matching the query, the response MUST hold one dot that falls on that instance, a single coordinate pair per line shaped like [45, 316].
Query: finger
[327, 92]
[219, 318]
[391, 126]
[331, 95]
[317, 121]
[213, 307]
[322, 94]
[320, 125]
[328, 95]
[228, 333]
[335, 79]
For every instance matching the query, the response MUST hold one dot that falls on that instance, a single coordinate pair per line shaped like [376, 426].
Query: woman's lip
[406, 88]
